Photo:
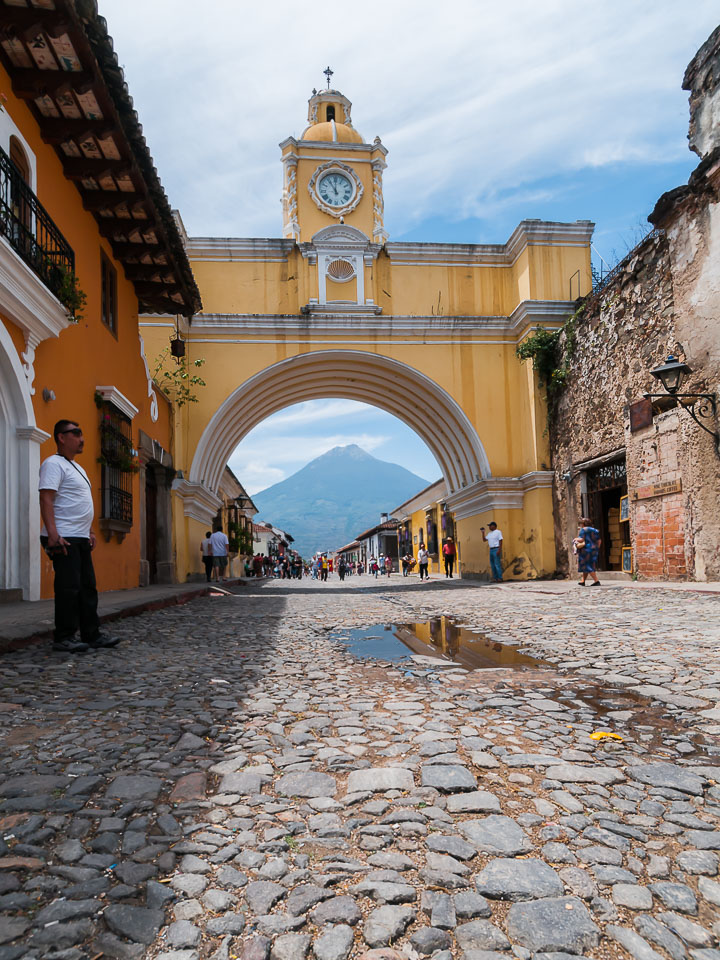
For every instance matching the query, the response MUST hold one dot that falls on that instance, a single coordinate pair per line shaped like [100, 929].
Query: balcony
[31, 232]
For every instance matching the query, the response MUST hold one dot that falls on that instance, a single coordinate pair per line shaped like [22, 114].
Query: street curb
[10, 644]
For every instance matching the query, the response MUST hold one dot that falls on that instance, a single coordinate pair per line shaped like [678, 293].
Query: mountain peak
[336, 496]
[351, 451]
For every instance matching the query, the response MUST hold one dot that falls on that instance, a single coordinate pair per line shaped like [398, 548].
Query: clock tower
[331, 176]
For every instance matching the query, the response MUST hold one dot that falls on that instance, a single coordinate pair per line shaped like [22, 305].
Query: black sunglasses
[75, 431]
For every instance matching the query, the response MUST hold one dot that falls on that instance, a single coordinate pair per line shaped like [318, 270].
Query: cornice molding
[497, 493]
[34, 434]
[348, 310]
[239, 248]
[112, 395]
[335, 319]
[198, 502]
[528, 233]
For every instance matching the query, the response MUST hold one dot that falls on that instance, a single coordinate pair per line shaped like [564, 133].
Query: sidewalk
[571, 585]
[22, 622]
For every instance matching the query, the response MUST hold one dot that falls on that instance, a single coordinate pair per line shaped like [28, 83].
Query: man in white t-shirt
[67, 511]
[219, 545]
[494, 541]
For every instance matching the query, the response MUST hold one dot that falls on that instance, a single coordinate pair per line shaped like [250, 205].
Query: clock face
[335, 189]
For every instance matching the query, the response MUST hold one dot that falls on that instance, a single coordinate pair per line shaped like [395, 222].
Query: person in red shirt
[449, 556]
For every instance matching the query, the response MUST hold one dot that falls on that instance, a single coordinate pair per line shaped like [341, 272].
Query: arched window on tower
[330, 112]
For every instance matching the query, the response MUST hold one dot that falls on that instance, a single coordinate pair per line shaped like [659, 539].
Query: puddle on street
[439, 639]
[440, 644]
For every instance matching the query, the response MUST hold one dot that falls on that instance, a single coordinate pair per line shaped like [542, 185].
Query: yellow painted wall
[87, 354]
[259, 287]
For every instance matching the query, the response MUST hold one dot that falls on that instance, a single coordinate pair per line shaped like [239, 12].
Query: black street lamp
[701, 406]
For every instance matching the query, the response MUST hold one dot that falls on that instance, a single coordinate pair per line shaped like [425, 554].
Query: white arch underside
[392, 386]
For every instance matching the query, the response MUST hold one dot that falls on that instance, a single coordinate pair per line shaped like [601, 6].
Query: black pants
[76, 596]
[449, 564]
[208, 561]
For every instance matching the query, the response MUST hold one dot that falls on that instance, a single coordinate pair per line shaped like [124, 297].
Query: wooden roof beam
[124, 250]
[84, 168]
[61, 130]
[30, 21]
[30, 83]
[145, 289]
[113, 199]
[154, 273]
[110, 226]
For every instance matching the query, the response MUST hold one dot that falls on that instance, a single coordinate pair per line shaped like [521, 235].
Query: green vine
[119, 461]
[70, 295]
[551, 352]
[240, 540]
[178, 382]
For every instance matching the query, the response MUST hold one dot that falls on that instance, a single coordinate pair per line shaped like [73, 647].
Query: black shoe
[69, 646]
[102, 641]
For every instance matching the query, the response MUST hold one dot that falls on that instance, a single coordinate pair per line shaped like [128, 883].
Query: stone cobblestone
[230, 782]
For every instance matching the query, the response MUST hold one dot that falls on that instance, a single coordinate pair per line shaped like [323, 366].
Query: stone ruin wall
[623, 332]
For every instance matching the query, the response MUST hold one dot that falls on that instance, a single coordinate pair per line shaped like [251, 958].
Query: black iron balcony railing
[31, 231]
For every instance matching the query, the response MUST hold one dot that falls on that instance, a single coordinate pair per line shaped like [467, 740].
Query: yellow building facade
[425, 331]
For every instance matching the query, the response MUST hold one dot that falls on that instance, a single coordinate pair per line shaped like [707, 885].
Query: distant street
[232, 782]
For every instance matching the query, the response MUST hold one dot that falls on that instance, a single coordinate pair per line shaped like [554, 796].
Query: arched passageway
[19, 464]
[393, 386]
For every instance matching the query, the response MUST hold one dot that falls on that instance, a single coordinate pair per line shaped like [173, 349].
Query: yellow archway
[351, 375]
[426, 331]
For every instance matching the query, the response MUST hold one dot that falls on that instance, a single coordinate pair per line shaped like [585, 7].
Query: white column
[322, 264]
[28, 447]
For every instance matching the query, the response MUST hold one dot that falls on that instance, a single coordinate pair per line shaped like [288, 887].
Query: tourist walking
[423, 560]
[374, 567]
[67, 511]
[587, 543]
[449, 556]
[219, 543]
[494, 541]
[206, 552]
[388, 565]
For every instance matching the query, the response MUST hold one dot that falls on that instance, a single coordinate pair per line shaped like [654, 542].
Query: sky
[491, 112]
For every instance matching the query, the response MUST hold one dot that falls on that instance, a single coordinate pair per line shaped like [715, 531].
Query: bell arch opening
[384, 383]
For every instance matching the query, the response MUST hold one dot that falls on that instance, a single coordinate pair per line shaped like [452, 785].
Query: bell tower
[331, 176]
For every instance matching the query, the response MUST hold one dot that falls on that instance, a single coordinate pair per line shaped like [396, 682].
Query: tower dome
[329, 119]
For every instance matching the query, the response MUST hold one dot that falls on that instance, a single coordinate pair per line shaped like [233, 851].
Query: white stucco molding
[199, 503]
[497, 493]
[528, 233]
[533, 313]
[26, 301]
[242, 249]
[34, 434]
[112, 395]
[333, 319]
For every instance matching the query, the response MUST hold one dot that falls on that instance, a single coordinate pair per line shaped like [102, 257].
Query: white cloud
[469, 98]
[314, 411]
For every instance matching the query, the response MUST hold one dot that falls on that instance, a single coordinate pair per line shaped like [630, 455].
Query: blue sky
[491, 113]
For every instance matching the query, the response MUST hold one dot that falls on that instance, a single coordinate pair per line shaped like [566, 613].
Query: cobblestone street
[232, 782]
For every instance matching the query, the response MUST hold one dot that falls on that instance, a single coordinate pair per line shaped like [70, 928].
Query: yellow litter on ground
[604, 735]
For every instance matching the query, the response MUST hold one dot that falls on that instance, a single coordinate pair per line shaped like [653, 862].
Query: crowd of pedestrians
[214, 550]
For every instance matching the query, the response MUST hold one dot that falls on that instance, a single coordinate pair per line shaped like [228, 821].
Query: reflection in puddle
[439, 639]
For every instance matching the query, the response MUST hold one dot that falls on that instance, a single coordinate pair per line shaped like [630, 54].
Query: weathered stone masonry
[664, 298]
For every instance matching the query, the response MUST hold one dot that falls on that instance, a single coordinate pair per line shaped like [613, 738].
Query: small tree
[178, 382]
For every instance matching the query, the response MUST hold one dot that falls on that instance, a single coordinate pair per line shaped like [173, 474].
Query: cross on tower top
[328, 73]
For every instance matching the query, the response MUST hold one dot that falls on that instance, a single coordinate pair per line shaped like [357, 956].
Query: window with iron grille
[118, 466]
